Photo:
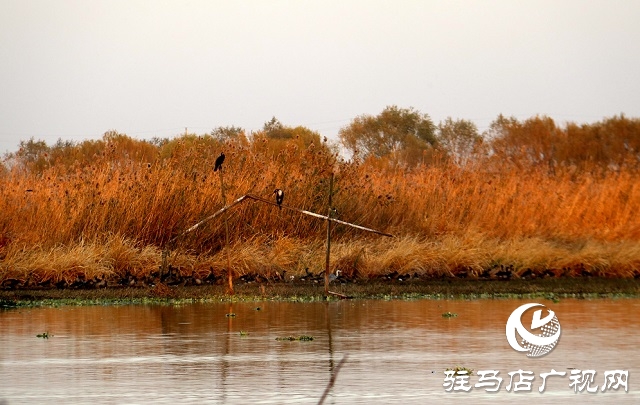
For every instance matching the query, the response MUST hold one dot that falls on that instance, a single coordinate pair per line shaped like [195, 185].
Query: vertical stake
[326, 263]
[165, 264]
[226, 235]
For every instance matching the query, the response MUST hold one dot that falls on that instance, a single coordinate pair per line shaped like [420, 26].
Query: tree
[460, 139]
[32, 155]
[534, 141]
[397, 133]
[275, 130]
[232, 133]
[612, 143]
[278, 137]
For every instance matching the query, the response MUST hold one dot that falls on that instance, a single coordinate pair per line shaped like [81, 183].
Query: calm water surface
[397, 352]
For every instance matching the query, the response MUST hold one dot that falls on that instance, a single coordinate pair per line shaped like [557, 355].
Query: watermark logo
[535, 345]
[536, 341]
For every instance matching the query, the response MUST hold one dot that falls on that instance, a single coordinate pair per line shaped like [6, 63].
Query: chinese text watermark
[522, 380]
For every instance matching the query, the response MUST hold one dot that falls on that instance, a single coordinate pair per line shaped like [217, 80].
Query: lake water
[396, 351]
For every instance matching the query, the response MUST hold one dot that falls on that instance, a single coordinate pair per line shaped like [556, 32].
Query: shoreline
[552, 289]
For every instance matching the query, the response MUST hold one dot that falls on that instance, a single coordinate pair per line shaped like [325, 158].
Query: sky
[73, 70]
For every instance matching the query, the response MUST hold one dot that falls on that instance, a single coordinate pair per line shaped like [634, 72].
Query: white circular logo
[535, 344]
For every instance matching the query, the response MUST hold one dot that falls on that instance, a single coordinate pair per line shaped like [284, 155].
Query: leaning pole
[226, 235]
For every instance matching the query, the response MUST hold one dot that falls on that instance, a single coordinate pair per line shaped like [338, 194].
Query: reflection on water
[397, 352]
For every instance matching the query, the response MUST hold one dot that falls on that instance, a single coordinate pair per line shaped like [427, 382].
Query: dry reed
[111, 216]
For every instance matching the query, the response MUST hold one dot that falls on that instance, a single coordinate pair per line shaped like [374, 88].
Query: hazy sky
[76, 69]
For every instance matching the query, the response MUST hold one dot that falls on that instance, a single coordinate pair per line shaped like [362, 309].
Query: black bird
[279, 197]
[219, 162]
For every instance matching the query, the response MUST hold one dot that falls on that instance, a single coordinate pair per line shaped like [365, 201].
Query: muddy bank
[554, 289]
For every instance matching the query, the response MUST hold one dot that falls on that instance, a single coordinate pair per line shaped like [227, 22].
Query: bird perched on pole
[219, 162]
[279, 197]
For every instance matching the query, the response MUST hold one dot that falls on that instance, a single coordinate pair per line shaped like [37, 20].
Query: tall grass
[114, 213]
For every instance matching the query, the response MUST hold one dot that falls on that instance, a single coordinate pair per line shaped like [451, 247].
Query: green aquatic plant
[304, 337]
[44, 335]
[457, 289]
[460, 370]
[449, 315]
[553, 297]
[244, 333]
[7, 304]
[292, 338]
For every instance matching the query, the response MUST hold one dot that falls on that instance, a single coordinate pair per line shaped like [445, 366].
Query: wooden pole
[326, 263]
[313, 214]
[226, 236]
[209, 218]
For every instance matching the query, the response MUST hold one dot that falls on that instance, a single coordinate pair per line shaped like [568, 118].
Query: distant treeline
[395, 138]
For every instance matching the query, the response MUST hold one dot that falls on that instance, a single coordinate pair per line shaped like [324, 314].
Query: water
[396, 352]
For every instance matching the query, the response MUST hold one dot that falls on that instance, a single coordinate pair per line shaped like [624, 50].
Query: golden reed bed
[102, 212]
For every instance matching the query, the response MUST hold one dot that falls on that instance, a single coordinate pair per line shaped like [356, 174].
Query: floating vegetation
[230, 315]
[553, 297]
[449, 315]
[6, 304]
[44, 335]
[244, 333]
[459, 370]
[292, 338]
